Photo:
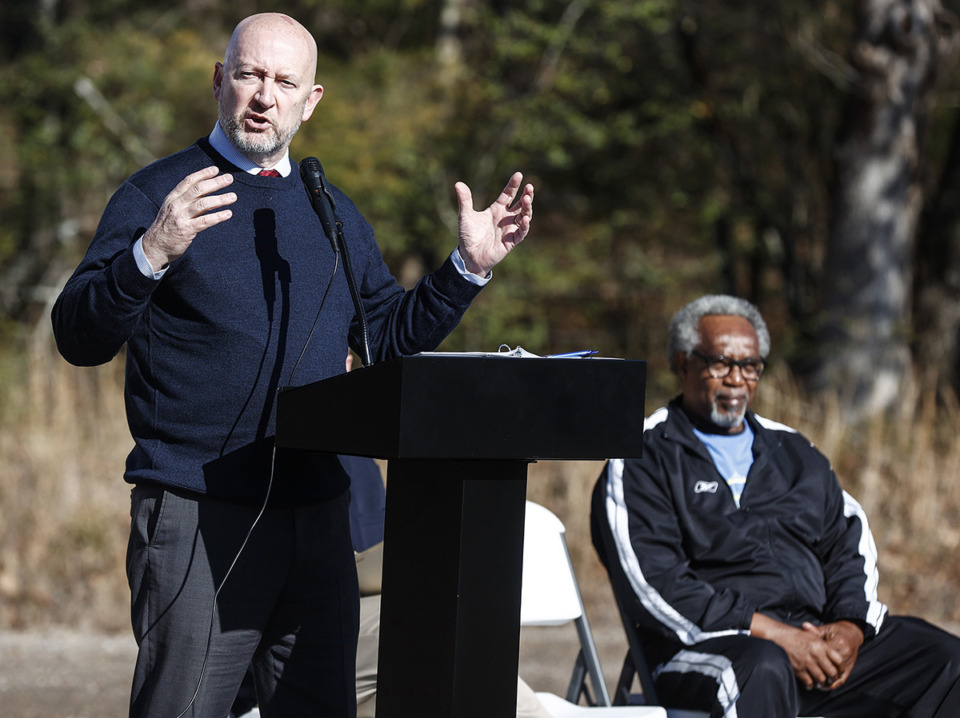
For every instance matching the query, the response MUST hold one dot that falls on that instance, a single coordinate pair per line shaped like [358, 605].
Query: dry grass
[65, 507]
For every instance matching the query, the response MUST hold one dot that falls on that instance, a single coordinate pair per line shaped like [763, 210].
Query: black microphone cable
[316, 319]
[216, 595]
[273, 462]
[263, 507]
[355, 295]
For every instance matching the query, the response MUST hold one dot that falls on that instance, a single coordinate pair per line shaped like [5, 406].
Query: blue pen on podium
[573, 355]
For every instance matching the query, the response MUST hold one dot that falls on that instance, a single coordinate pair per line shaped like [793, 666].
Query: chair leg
[634, 667]
[591, 661]
[645, 678]
[578, 682]
[625, 682]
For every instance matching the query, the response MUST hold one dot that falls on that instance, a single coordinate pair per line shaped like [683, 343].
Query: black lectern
[458, 431]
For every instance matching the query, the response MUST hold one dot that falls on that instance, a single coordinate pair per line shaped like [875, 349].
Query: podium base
[450, 606]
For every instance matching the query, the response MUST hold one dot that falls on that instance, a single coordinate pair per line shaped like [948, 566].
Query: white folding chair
[551, 597]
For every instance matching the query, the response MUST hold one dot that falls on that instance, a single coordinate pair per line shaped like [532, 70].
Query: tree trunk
[863, 347]
[937, 279]
[449, 49]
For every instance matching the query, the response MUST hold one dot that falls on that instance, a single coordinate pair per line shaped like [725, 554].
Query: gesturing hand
[186, 212]
[487, 237]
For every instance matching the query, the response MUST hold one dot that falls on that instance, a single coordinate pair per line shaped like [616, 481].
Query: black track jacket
[667, 528]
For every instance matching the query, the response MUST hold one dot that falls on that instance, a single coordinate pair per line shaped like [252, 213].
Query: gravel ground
[67, 674]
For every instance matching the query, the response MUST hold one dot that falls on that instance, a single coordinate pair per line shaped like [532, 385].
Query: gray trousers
[290, 606]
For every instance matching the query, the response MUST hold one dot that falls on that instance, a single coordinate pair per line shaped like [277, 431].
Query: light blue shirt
[220, 142]
[733, 456]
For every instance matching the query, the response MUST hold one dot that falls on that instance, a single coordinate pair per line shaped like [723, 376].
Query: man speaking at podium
[210, 265]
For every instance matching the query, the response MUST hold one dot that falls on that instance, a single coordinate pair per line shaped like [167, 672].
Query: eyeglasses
[719, 366]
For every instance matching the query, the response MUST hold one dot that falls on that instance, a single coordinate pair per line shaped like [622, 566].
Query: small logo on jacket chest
[706, 487]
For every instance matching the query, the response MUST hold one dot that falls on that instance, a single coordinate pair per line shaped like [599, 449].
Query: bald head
[265, 86]
[279, 26]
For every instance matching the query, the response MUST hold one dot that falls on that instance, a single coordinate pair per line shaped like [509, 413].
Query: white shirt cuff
[468, 275]
[143, 264]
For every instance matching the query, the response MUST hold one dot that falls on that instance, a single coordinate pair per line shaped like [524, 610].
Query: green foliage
[649, 127]
[91, 103]
[677, 146]
[368, 131]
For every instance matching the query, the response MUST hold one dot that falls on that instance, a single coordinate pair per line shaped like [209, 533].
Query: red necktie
[269, 173]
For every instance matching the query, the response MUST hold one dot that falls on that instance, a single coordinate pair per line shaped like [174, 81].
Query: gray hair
[684, 330]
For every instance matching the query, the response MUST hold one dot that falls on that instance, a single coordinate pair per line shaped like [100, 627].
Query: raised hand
[487, 237]
[187, 211]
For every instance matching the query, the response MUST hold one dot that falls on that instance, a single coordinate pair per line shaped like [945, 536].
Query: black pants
[910, 669]
[290, 606]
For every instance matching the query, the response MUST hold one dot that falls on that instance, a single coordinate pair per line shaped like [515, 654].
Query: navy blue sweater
[211, 341]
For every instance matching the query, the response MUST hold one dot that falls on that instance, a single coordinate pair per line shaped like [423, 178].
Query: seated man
[750, 573]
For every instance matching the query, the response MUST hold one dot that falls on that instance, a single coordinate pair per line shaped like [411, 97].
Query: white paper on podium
[517, 352]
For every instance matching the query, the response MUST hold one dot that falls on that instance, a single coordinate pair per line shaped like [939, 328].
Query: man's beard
[726, 419]
[256, 145]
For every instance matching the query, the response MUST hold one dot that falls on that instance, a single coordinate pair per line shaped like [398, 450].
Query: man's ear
[316, 92]
[680, 365]
[217, 80]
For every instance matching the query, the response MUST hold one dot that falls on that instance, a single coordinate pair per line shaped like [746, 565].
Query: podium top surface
[449, 406]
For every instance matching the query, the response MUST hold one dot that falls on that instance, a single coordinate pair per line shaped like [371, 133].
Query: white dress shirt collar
[219, 142]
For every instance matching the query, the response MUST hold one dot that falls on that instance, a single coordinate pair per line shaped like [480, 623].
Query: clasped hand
[826, 654]
[821, 656]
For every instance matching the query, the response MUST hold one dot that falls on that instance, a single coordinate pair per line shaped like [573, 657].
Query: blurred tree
[936, 315]
[678, 146]
[864, 340]
[84, 105]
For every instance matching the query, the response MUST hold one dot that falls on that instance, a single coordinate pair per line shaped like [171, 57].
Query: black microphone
[316, 186]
